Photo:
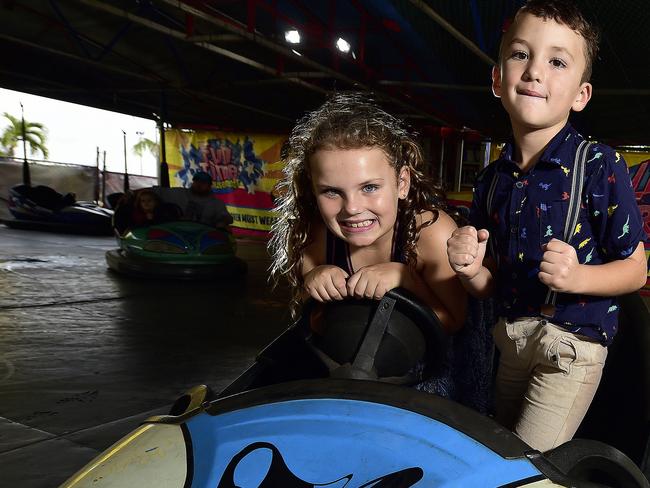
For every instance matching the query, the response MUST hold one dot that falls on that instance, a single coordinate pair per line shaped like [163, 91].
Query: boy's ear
[496, 81]
[584, 95]
[403, 182]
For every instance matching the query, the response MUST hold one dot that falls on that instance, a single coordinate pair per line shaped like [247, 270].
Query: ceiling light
[343, 45]
[292, 36]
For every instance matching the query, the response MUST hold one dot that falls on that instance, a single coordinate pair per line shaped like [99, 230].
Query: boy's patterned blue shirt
[529, 209]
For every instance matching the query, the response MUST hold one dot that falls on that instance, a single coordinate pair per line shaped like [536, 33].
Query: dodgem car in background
[43, 208]
[179, 249]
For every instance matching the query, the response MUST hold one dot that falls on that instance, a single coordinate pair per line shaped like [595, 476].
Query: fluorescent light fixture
[296, 52]
[292, 36]
[343, 45]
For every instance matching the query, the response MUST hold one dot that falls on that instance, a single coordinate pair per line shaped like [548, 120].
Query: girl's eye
[330, 193]
[370, 188]
[521, 55]
[558, 63]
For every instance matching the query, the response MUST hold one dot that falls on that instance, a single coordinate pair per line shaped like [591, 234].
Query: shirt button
[514, 276]
[519, 184]
[513, 230]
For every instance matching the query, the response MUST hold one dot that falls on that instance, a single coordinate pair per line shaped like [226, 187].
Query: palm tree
[35, 136]
[146, 145]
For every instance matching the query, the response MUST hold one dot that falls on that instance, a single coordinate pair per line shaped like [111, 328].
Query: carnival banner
[244, 168]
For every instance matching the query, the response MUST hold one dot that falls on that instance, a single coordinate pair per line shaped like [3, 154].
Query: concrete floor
[85, 355]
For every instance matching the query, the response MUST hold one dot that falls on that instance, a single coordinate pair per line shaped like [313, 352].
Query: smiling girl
[357, 217]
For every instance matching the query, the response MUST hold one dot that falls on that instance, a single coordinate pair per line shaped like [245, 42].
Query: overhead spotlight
[343, 45]
[292, 36]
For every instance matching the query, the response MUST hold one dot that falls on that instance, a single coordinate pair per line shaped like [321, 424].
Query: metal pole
[96, 185]
[104, 180]
[459, 163]
[126, 169]
[27, 178]
[163, 177]
[164, 167]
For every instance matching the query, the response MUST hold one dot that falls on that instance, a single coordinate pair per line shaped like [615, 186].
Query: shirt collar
[554, 152]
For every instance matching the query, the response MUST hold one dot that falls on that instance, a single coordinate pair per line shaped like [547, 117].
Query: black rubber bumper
[125, 264]
[93, 230]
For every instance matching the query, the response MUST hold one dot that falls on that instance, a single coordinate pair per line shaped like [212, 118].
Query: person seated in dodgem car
[196, 202]
[142, 208]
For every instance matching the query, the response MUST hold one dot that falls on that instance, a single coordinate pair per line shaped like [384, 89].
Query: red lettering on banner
[226, 154]
[212, 169]
[222, 155]
[223, 173]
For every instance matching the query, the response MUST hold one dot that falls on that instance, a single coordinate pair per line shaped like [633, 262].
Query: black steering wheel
[396, 339]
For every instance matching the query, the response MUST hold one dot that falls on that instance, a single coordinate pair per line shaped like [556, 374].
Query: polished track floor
[85, 354]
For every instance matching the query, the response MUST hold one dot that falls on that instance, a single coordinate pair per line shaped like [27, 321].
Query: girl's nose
[351, 205]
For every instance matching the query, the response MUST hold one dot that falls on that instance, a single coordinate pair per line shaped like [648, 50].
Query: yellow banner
[244, 168]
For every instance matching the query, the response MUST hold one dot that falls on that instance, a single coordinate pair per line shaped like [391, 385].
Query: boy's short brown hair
[567, 13]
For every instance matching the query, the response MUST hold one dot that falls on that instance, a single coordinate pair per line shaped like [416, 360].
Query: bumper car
[43, 208]
[328, 404]
[179, 249]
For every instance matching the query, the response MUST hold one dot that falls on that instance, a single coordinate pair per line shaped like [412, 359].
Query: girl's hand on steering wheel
[374, 281]
[326, 283]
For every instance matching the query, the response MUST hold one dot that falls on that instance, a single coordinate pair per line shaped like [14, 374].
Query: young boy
[558, 310]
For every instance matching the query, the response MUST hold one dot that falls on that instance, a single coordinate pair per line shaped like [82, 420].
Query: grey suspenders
[574, 202]
[492, 242]
[572, 213]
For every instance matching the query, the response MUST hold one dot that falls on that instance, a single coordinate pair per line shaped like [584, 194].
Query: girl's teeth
[365, 223]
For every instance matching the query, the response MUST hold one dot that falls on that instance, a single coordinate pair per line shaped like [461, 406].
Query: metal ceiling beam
[258, 38]
[240, 105]
[261, 40]
[106, 67]
[422, 5]
[307, 74]
[437, 86]
[205, 45]
[215, 38]
[96, 64]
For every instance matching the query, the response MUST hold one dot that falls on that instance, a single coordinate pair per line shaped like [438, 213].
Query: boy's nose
[533, 71]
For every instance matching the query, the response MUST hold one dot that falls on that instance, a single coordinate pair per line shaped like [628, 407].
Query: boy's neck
[530, 144]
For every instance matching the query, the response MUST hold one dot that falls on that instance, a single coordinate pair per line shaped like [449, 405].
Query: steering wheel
[396, 339]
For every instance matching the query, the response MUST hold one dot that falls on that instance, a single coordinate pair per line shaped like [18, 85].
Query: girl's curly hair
[345, 121]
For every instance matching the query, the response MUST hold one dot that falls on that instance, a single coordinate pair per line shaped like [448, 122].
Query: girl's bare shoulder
[442, 224]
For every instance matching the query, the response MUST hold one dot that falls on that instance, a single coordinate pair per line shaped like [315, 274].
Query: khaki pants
[547, 378]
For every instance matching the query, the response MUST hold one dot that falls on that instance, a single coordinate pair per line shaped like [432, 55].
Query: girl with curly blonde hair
[357, 217]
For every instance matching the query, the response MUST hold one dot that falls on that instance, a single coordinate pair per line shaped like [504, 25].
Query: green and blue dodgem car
[178, 249]
[336, 409]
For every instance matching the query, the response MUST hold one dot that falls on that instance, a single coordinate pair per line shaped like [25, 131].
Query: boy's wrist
[468, 279]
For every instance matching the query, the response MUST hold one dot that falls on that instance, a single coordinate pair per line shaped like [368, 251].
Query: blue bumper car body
[314, 411]
[42, 208]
